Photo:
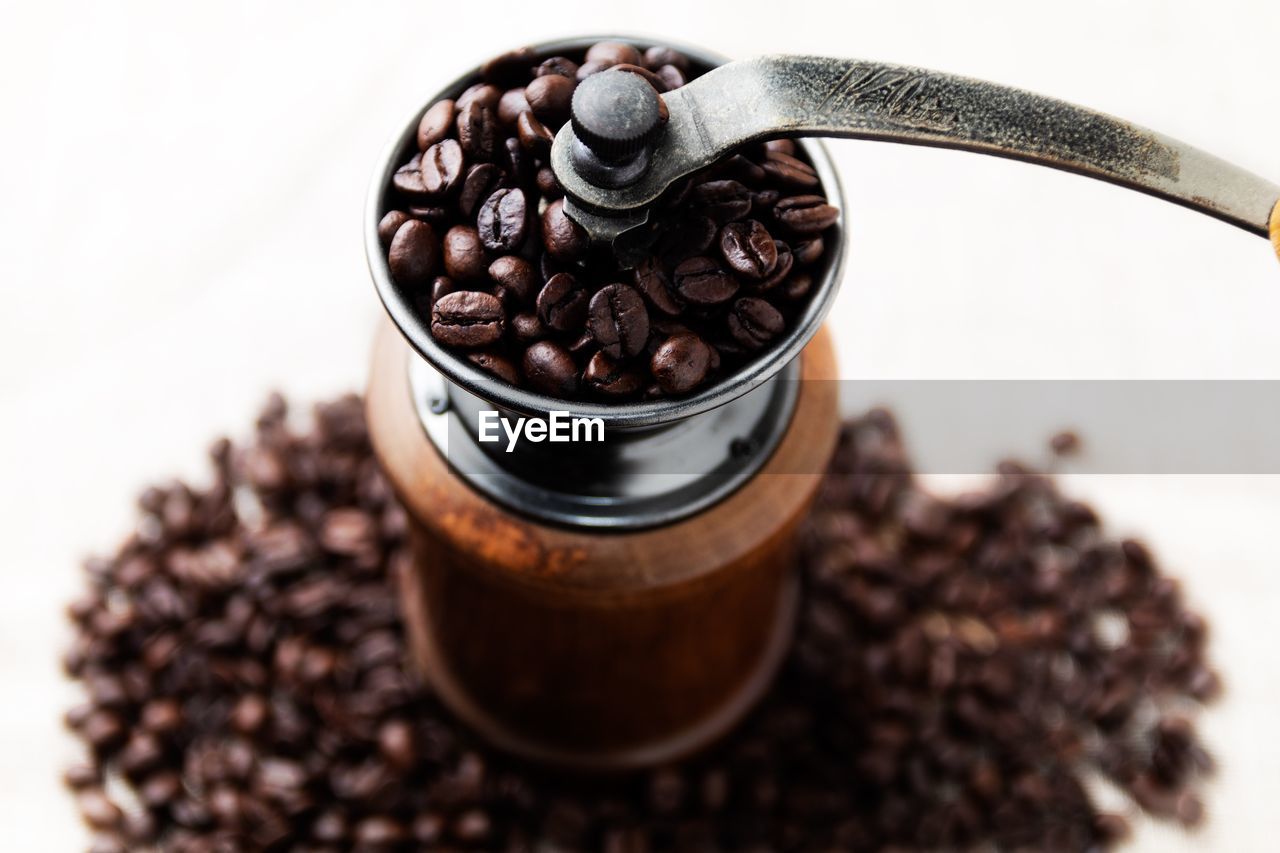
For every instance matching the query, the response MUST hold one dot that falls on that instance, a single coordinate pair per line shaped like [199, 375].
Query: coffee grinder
[620, 604]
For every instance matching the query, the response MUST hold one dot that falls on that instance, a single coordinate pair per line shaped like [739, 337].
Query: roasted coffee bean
[482, 179]
[798, 286]
[442, 286]
[464, 258]
[671, 77]
[565, 239]
[781, 268]
[442, 167]
[681, 363]
[389, 225]
[510, 68]
[517, 275]
[613, 53]
[408, 178]
[503, 220]
[902, 590]
[789, 171]
[414, 255]
[550, 369]
[604, 376]
[652, 281]
[512, 103]
[724, 201]
[528, 328]
[701, 281]
[481, 94]
[617, 319]
[748, 249]
[549, 96]
[548, 183]
[557, 65]
[477, 131]
[809, 250]
[467, 319]
[657, 56]
[805, 214]
[754, 322]
[496, 364]
[562, 304]
[534, 135]
[435, 124]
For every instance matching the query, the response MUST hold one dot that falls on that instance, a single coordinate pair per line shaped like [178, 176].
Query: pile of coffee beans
[959, 664]
[480, 243]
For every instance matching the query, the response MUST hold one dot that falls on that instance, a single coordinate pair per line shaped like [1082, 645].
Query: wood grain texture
[591, 649]
[1275, 228]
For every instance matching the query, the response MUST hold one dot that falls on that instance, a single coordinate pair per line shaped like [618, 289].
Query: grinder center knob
[616, 116]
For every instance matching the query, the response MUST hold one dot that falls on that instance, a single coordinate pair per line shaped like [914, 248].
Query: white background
[180, 198]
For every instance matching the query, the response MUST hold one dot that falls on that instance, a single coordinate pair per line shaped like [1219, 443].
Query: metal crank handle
[779, 96]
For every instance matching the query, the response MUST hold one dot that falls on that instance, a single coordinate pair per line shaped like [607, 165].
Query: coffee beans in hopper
[959, 663]
[479, 195]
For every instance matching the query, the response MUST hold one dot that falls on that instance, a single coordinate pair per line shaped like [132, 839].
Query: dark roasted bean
[548, 183]
[657, 56]
[809, 250]
[442, 167]
[557, 65]
[754, 322]
[565, 239]
[503, 220]
[480, 94]
[789, 171]
[681, 363]
[408, 178]
[613, 53]
[482, 179]
[724, 201]
[562, 303]
[513, 103]
[805, 214]
[701, 281]
[606, 377]
[510, 68]
[550, 369]
[527, 328]
[414, 255]
[517, 275]
[781, 269]
[389, 225]
[534, 135]
[618, 321]
[549, 96]
[464, 258]
[467, 319]
[652, 281]
[496, 364]
[435, 124]
[748, 249]
[477, 131]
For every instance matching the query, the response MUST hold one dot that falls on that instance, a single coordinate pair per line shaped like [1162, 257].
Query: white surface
[180, 194]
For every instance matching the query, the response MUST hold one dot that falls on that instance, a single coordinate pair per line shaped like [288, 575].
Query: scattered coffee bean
[534, 136]
[495, 364]
[511, 105]
[565, 239]
[549, 97]
[389, 225]
[805, 214]
[995, 594]
[442, 167]
[482, 179]
[604, 376]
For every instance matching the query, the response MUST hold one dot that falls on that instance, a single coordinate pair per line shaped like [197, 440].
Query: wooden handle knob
[1275, 228]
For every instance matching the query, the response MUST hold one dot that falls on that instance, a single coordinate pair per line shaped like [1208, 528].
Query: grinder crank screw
[616, 116]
